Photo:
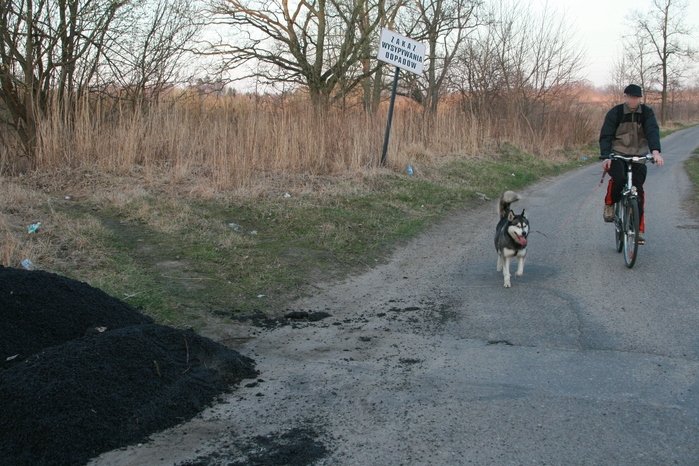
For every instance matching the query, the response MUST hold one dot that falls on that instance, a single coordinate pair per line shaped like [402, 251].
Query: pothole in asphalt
[298, 446]
[262, 320]
[500, 342]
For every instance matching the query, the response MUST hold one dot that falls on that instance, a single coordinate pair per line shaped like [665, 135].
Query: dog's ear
[510, 215]
[522, 214]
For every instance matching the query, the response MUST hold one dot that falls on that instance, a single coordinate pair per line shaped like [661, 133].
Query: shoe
[641, 238]
[608, 213]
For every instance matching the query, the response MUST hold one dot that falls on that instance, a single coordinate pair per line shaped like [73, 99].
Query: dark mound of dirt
[71, 401]
[40, 309]
[298, 446]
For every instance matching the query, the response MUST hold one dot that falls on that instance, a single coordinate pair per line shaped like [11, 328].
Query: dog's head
[518, 227]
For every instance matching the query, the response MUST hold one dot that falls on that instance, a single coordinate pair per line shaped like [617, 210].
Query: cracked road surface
[427, 359]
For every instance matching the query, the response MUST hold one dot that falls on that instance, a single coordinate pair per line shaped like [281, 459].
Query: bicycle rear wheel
[631, 222]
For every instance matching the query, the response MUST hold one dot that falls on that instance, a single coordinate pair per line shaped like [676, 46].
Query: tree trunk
[376, 91]
[664, 64]
[28, 133]
[432, 90]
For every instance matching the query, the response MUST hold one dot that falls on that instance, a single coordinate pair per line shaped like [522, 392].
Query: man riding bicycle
[629, 129]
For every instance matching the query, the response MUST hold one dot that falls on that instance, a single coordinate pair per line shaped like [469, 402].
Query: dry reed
[227, 141]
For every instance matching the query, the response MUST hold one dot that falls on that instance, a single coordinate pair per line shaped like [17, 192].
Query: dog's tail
[507, 198]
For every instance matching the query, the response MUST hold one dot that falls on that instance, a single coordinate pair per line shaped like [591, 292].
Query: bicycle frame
[627, 193]
[629, 189]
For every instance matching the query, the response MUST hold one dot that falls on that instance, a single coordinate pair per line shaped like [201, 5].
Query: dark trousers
[617, 172]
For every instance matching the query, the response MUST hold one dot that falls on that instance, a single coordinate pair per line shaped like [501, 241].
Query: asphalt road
[429, 360]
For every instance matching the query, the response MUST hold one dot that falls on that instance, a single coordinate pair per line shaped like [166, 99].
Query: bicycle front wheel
[631, 223]
[619, 226]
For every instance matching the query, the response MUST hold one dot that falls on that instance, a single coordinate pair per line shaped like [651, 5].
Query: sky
[599, 25]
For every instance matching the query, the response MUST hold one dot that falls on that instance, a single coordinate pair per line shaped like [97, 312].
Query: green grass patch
[692, 168]
[675, 126]
[180, 259]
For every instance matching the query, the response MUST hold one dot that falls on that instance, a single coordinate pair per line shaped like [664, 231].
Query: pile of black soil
[40, 309]
[75, 398]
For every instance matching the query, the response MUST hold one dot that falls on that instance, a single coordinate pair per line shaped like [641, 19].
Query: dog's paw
[519, 274]
[507, 283]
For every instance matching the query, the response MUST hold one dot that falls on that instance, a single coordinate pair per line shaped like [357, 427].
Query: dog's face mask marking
[518, 227]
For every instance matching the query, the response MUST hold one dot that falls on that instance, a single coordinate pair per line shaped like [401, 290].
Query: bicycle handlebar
[629, 158]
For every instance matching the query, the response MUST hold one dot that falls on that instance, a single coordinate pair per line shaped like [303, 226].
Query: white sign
[401, 51]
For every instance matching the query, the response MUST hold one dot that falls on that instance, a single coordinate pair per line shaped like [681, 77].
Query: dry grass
[221, 143]
[17, 211]
[64, 241]
[68, 203]
[235, 142]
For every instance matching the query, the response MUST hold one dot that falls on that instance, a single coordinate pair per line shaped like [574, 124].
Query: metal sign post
[390, 117]
[404, 53]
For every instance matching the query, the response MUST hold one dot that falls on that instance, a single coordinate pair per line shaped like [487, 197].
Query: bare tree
[46, 49]
[53, 51]
[519, 56]
[664, 26]
[317, 44]
[636, 64]
[152, 44]
[372, 72]
[479, 77]
[443, 25]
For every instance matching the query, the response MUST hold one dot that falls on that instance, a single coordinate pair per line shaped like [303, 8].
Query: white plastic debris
[34, 227]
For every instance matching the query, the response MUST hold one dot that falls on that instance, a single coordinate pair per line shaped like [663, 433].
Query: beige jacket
[630, 139]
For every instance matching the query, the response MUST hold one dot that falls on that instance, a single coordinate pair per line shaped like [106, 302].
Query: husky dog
[510, 236]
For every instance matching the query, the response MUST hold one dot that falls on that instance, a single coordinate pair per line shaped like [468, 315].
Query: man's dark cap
[633, 90]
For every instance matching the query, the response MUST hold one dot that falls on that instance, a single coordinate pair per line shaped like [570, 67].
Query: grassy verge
[675, 126]
[692, 168]
[181, 257]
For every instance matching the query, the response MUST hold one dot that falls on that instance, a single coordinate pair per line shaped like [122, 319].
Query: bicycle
[626, 211]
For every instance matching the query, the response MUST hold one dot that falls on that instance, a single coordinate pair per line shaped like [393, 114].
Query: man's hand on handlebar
[657, 158]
